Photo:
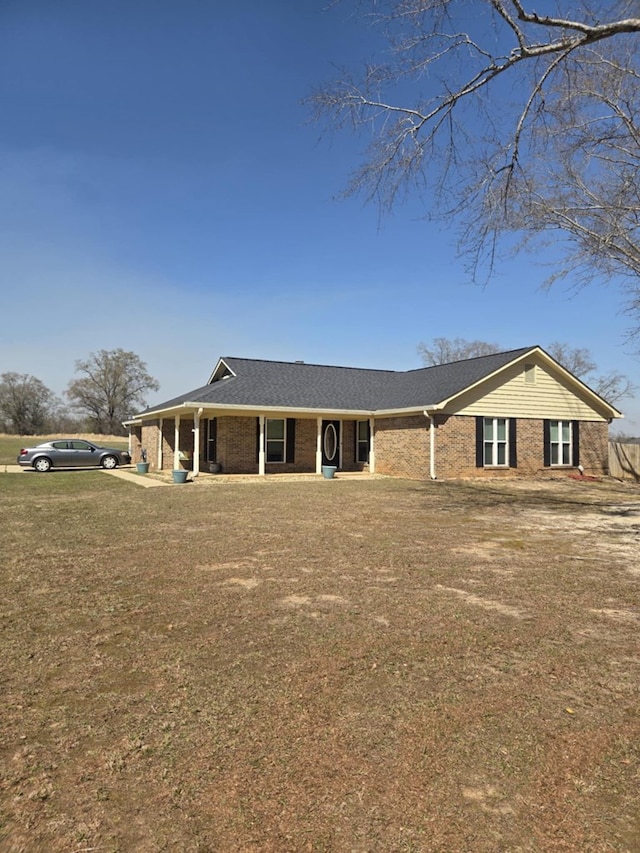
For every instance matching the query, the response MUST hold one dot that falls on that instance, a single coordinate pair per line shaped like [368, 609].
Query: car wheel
[42, 464]
[109, 462]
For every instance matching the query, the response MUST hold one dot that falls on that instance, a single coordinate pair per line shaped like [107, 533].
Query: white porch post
[196, 443]
[319, 447]
[261, 465]
[160, 444]
[176, 444]
[372, 446]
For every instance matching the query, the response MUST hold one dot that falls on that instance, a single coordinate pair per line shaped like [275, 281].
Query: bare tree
[578, 360]
[517, 123]
[444, 350]
[612, 386]
[26, 404]
[111, 385]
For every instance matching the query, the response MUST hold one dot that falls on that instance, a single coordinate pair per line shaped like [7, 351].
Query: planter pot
[180, 476]
[215, 468]
[328, 471]
[143, 467]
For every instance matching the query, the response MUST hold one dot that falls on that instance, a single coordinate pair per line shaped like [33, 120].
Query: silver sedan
[71, 453]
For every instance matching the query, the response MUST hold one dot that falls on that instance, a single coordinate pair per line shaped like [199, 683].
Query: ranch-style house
[510, 413]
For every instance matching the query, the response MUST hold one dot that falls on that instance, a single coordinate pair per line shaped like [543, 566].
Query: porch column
[261, 465]
[196, 443]
[160, 422]
[176, 444]
[372, 446]
[319, 447]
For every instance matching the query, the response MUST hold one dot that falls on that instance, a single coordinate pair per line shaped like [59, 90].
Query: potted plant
[143, 465]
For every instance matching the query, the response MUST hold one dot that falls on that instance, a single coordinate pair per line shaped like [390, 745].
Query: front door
[331, 443]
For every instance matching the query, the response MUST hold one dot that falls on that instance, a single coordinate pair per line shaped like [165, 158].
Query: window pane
[362, 430]
[275, 429]
[566, 431]
[553, 430]
[488, 453]
[488, 429]
[502, 429]
[275, 451]
[554, 454]
[565, 454]
[502, 454]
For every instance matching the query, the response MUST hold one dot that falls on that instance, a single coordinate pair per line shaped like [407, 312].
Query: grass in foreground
[326, 666]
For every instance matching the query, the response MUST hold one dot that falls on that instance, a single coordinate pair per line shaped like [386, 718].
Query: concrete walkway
[138, 479]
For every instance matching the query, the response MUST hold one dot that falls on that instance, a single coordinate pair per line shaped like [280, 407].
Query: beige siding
[509, 395]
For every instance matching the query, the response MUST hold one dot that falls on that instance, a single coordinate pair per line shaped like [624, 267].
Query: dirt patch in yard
[319, 666]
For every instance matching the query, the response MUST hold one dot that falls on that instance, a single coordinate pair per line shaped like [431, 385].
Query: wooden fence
[624, 460]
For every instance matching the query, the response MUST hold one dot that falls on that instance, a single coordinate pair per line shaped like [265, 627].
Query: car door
[81, 454]
[59, 454]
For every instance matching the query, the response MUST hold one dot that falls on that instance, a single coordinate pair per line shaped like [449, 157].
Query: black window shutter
[547, 443]
[513, 449]
[257, 439]
[575, 443]
[291, 440]
[213, 439]
[479, 442]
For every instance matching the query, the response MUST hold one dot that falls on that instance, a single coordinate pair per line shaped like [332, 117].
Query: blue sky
[162, 190]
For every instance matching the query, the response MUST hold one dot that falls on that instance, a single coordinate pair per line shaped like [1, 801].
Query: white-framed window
[496, 441]
[275, 437]
[362, 441]
[560, 442]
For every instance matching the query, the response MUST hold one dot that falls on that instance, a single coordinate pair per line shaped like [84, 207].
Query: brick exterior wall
[135, 443]
[594, 447]
[401, 447]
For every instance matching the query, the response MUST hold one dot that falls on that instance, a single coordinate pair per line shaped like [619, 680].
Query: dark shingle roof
[296, 385]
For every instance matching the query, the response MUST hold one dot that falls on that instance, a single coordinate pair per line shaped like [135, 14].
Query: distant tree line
[109, 386]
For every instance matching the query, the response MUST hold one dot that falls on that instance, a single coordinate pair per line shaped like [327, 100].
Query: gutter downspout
[432, 443]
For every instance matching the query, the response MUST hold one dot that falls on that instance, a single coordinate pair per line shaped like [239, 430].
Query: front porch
[206, 442]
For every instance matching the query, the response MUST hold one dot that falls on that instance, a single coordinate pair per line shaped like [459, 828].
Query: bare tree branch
[518, 123]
